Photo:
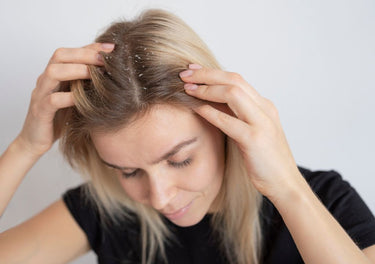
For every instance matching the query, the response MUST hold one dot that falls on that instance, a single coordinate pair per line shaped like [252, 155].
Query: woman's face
[170, 159]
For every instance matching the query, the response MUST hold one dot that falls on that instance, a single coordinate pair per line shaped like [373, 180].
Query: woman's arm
[317, 234]
[37, 135]
[52, 236]
[15, 162]
[370, 252]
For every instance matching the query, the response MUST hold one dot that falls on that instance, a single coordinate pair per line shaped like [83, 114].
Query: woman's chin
[190, 218]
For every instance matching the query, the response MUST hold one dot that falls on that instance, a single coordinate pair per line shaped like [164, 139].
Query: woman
[184, 162]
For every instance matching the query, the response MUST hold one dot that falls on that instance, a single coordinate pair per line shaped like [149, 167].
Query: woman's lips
[179, 213]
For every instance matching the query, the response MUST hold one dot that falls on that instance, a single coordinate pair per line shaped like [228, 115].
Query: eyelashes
[180, 164]
[177, 165]
[128, 175]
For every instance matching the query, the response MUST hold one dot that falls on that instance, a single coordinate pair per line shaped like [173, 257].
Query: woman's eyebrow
[170, 153]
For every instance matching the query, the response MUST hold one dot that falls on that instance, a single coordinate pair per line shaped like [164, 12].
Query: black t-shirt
[121, 244]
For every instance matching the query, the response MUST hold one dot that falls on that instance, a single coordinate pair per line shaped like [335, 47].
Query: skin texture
[165, 187]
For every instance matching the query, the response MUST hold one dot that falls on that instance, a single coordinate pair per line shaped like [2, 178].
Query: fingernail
[108, 46]
[99, 57]
[190, 86]
[194, 66]
[186, 73]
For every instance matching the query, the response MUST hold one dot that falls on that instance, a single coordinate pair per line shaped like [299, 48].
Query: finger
[238, 101]
[74, 55]
[86, 55]
[199, 75]
[55, 73]
[231, 126]
[106, 47]
[55, 101]
[206, 76]
[231, 79]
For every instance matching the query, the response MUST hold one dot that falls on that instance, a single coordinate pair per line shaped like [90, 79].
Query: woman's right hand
[66, 64]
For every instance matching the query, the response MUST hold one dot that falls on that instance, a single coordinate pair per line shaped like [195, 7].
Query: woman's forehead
[146, 139]
[164, 125]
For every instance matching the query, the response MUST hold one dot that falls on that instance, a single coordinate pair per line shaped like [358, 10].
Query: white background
[314, 59]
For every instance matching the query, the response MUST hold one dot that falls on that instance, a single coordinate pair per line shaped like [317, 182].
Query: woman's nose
[161, 191]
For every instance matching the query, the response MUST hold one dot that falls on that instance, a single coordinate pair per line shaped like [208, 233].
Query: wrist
[22, 149]
[294, 190]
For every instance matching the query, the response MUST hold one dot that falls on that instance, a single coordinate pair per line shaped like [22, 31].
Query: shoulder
[320, 178]
[337, 194]
[327, 184]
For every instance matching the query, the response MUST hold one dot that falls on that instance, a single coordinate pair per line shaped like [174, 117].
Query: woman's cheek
[201, 176]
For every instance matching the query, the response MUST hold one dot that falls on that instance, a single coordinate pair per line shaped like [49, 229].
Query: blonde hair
[140, 72]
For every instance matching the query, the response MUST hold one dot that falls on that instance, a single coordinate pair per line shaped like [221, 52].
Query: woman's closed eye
[178, 165]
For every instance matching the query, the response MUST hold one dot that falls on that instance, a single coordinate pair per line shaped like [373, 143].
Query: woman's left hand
[255, 126]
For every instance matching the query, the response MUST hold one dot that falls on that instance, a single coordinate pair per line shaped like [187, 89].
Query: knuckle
[53, 100]
[233, 91]
[87, 53]
[235, 77]
[202, 89]
[36, 110]
[34, 93]
[39, 80]
[57, 55]
[204, 71]
[270, 106]
[85, 70]
[83, 53]
[268, 103]
[223, 118]
[50, 70]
